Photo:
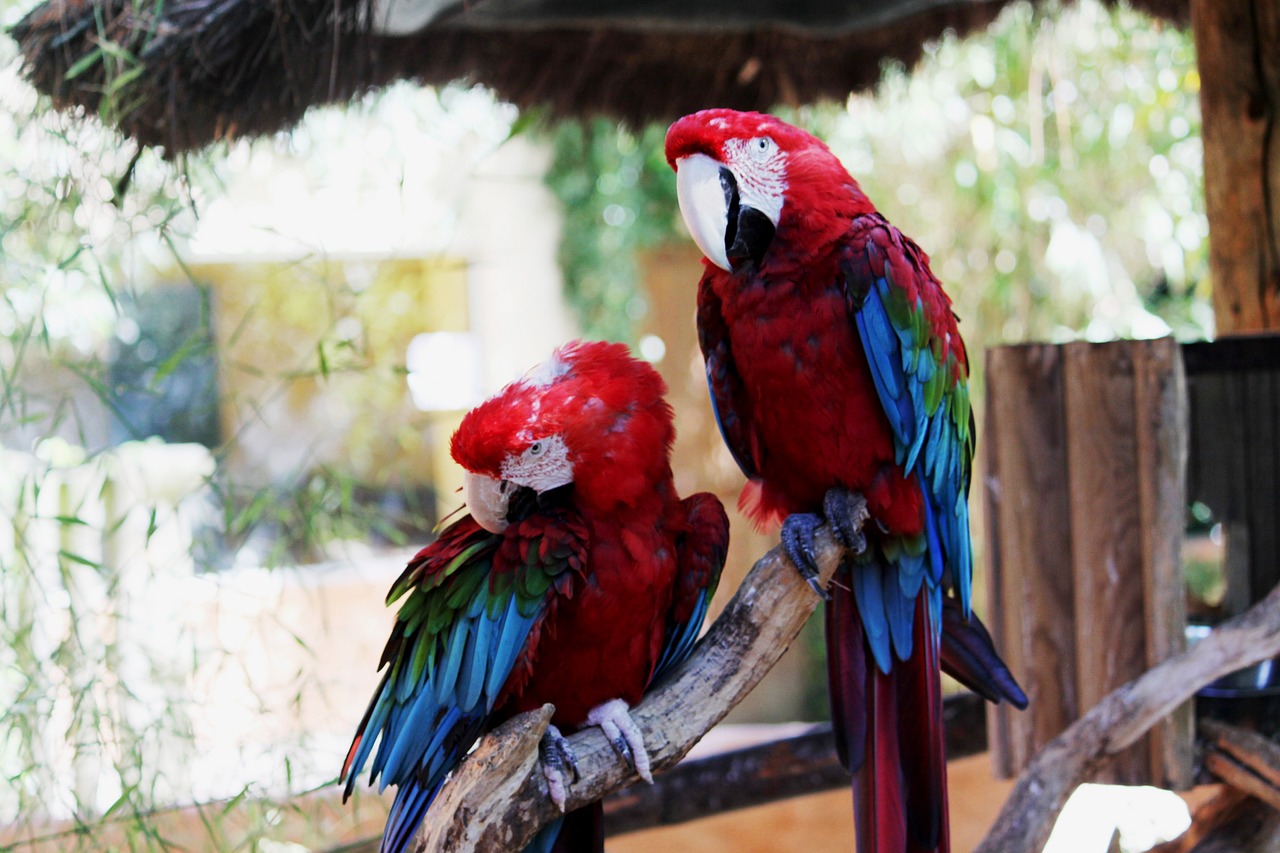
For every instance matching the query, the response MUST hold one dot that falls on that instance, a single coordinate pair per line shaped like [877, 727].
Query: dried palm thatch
[179, 74]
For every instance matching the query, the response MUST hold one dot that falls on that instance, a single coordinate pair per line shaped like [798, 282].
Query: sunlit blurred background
[229, 383]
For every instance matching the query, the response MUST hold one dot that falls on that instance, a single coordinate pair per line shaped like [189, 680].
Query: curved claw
[797, 540]
[847, 514]
[555, 754]
[614, 719]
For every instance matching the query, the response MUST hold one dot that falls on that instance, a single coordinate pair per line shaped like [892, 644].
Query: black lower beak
[520, 504]
[748, 232]
[754, 234]
[524, 501]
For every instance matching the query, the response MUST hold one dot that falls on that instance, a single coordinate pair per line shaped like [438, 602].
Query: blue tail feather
[411, 803]
[869, 594]
[911, 571]
[900, 611]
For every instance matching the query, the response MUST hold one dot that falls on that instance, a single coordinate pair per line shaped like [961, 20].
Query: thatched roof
[181, 73]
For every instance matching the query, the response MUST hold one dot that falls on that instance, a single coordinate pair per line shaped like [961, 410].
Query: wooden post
[1240, 105]
[1162, 423]
[1028, 523]
[1086, 447]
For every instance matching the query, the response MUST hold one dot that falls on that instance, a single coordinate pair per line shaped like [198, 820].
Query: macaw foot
[845, 511]
[559, 765]
[847, 514]
[614, 719]
[797, 540]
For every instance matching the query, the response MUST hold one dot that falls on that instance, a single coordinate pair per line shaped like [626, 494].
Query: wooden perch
[793, 766]
[1121, 718]
[497, 799]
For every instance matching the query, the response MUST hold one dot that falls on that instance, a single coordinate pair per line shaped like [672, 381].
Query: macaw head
[744, 179]
[592, 418]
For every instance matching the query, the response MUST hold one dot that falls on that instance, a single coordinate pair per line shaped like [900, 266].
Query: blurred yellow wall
[311, 360]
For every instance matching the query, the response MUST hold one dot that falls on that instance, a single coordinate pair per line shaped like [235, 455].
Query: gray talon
[817, 587]
[847, 512]
[555, 754]
[797, 541]
[614, 719]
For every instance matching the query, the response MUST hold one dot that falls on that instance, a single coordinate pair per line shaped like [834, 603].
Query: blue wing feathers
[472, 677]
[511, 636]
[445, 675]
[919, 426]
[925, 402]
[700, 554]
[680, 642]
[964, 579]
[455, 656]
[880, 338]
[933, 536]
[423, 710]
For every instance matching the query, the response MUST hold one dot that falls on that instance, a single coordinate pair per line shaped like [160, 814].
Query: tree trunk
[1240, 104]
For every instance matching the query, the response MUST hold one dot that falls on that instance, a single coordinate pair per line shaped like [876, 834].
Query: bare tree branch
[497, 799]
[1121, 718]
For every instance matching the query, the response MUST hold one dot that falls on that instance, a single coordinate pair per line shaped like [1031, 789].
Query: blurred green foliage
[1051, 166]
[94, 724]
[1053, 169]
[618, 196]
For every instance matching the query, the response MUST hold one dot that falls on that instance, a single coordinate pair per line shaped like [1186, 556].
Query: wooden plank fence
[1085, 452]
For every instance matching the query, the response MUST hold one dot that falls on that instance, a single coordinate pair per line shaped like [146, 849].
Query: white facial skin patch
[543, 466]
[760, 168]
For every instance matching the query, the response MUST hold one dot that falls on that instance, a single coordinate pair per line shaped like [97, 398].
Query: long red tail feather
[889, 733]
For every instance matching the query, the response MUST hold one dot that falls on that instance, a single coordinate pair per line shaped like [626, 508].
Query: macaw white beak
[487, 499]
[704, 204]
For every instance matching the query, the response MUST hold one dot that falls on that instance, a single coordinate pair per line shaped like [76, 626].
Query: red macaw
[840, 384]
[578, 579]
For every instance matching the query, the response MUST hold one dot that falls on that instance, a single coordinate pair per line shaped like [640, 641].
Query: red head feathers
[591, 415]
[743, 176]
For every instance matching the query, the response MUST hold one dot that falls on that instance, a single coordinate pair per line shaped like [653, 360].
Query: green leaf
[83, 64]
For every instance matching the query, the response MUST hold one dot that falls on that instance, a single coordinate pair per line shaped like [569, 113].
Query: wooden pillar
[1236, 46]
[1086, 449]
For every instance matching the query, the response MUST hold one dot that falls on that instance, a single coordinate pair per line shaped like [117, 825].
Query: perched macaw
[840, 384]
[578, 578]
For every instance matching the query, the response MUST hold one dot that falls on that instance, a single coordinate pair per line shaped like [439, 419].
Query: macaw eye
[762, 147]
[536, 448]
